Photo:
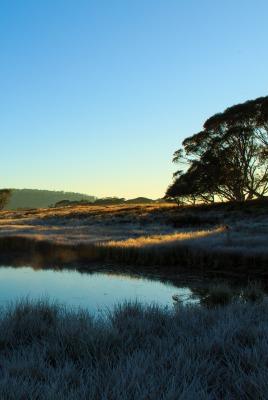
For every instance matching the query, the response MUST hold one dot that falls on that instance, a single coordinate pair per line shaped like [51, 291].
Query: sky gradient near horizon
[97, 95]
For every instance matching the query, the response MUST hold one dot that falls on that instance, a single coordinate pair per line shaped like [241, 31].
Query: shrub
[219, 295]
[253, 292]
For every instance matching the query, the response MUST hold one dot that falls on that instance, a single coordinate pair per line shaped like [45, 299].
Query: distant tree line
[107, 201]
[227, 160]
[34, 198]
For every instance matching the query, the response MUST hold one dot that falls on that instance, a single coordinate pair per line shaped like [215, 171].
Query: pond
[99, 288]
[95, 291]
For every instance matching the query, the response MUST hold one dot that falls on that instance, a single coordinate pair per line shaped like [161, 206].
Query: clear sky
[96, 95]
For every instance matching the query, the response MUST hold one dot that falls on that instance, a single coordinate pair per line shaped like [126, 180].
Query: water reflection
[98, 286]
[95, 291]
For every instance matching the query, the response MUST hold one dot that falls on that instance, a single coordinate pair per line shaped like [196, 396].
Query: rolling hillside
[33, 198]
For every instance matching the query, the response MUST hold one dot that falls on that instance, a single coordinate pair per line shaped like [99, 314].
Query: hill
[34, 198]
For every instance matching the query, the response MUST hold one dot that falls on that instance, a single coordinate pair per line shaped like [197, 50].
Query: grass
[204, 250]
[222, 237]
[134, 352]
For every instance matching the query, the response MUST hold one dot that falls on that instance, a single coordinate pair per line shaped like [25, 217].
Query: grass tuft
[134, 352]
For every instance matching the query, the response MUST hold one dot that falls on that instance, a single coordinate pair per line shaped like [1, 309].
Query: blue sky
[97, 95]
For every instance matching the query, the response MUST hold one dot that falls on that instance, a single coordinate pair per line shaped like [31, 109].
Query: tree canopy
[4, 197]
[227, 159]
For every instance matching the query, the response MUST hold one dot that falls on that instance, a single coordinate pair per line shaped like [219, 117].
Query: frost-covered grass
[134, 352]
[86, 224]
[212, 248]
[217, 237]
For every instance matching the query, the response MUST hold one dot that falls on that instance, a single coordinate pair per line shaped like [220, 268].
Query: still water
[94, 291]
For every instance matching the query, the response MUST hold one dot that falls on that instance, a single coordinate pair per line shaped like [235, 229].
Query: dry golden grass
[86, 211]
[218, 237]
[144, 241]
[86, 223]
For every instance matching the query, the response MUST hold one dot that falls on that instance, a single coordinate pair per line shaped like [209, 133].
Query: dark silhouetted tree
[229, 158]
[109, 201]
[4, 197]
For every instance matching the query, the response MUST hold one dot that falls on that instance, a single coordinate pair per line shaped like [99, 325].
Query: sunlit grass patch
[198, 249]
[142, 235]
[145, 241]
[205, 249]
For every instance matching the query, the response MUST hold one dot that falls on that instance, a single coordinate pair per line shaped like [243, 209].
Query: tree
[229, 158]
[109, 201]
[4, 197]
[191, 186]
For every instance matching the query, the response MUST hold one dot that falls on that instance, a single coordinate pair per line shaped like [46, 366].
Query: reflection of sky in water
[94, 291]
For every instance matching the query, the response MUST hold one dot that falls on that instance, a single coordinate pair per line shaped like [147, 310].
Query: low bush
[219, 295]
[253, 292]
[222, 295]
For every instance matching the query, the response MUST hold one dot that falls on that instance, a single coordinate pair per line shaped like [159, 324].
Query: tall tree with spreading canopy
[228, 158]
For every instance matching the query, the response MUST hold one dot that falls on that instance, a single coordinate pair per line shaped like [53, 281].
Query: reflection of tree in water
[197, 283]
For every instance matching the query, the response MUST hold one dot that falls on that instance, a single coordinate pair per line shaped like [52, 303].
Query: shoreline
[44, 252]
[222, 239]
